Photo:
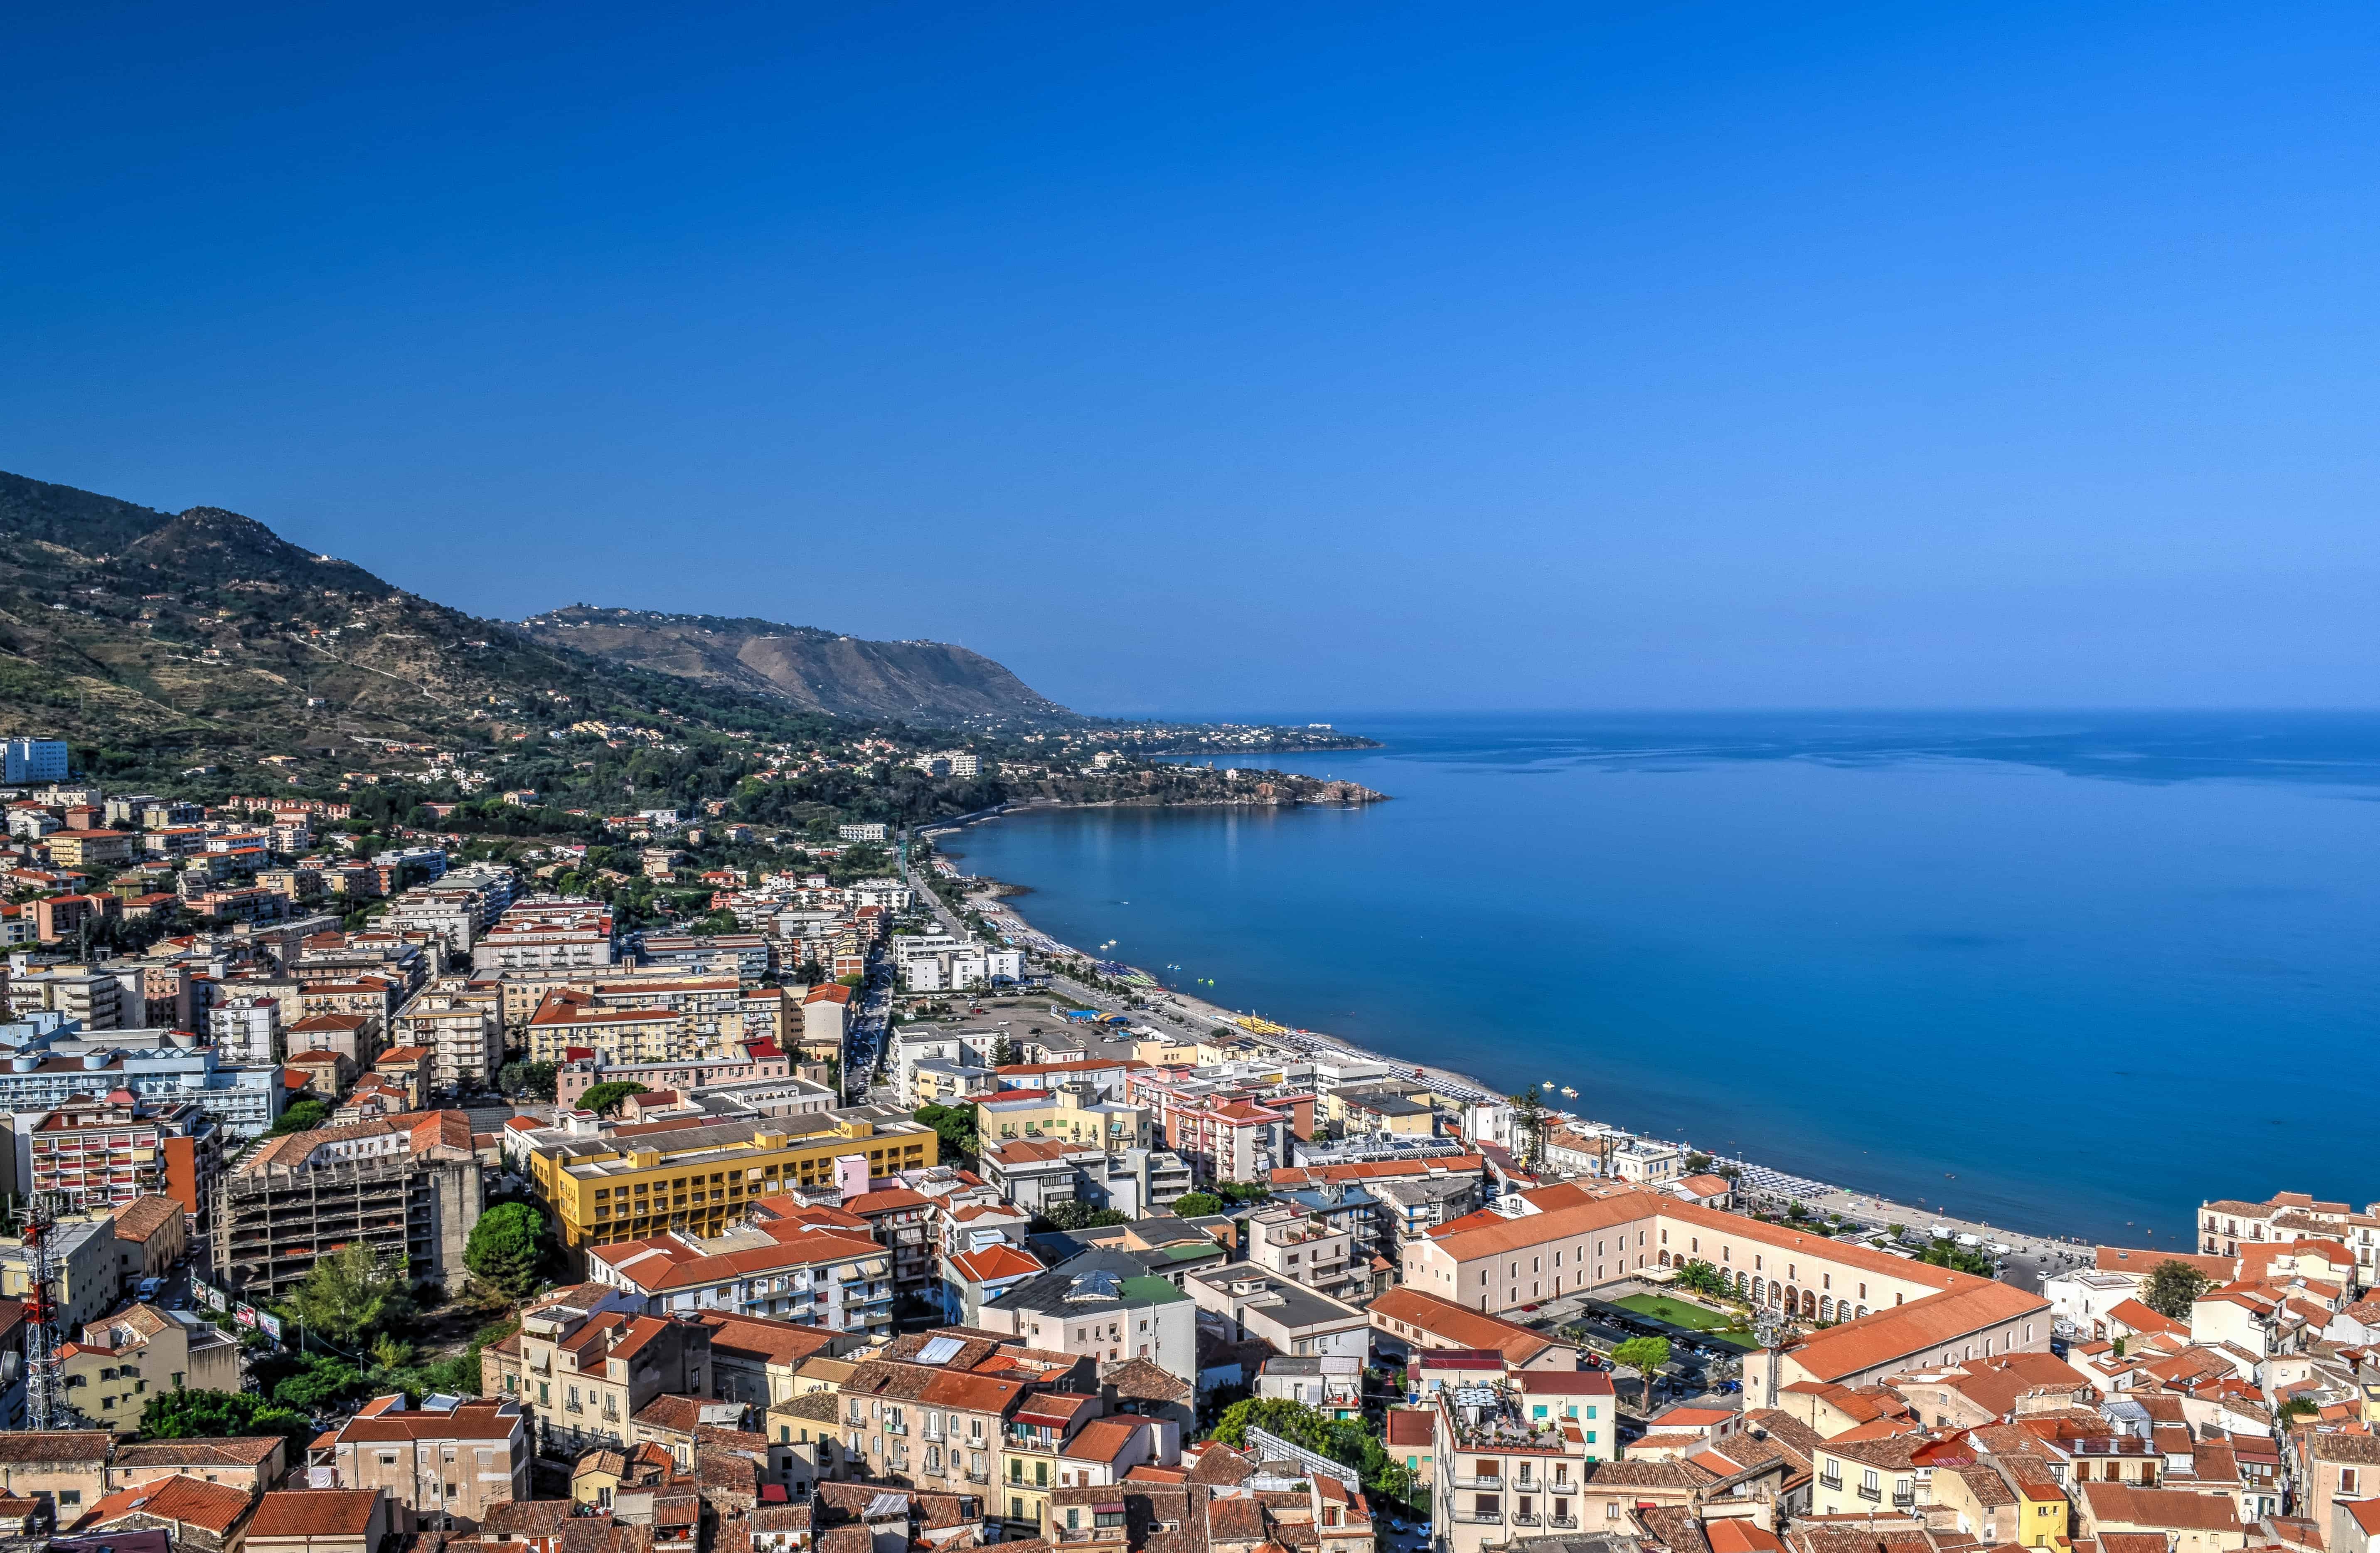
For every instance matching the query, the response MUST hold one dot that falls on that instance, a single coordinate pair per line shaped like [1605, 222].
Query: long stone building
[1884, 1311]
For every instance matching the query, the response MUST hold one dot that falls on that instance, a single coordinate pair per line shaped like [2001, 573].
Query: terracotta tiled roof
[1454, 1324]
[314, 1512]
[680, 1414]
[1000, 1261]
[2175, 1507]
[2130, 1259]
[1102, 1439]
[143, 1217]
[191, 1501]
[1140, 1381]
[63, 1445]
[231, 1450]
[1906, 1332]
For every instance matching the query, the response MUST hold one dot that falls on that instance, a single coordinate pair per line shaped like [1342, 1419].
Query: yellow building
[940, 1089]
[1162, 1051]
[1377, 1109]
[604, 1188]
[1074, 1113]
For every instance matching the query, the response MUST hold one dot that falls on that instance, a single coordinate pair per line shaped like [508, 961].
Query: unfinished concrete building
[407, 1184]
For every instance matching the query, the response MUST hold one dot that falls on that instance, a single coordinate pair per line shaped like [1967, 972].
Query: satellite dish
[12, 1364]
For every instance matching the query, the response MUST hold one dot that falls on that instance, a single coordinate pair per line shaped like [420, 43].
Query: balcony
[1473, 1518]
[1904, 1500]
[1562, 1522]
[1834, 1483]
[937, 1436]
[1493, 1484]
[1873, 1496]
[892, 1428]
[1524, 1518]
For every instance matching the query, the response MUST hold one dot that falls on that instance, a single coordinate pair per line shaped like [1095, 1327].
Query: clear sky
[1264, 356]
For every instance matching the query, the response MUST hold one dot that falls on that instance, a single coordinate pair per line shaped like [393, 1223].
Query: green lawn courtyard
[1686, 1313]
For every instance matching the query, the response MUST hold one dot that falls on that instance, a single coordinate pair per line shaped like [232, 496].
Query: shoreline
[1761, 1183]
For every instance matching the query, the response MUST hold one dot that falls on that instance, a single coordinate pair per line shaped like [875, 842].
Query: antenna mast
[46, 1403]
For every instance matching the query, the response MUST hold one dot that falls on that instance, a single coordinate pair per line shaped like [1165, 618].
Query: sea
[2065, 973]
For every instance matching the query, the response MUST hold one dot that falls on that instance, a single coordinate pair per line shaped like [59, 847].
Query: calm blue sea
[2068, 973]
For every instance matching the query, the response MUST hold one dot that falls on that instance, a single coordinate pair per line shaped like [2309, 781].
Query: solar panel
[940, 1351]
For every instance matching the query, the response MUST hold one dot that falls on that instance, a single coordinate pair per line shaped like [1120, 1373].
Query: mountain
[203, 633]
[916, 681]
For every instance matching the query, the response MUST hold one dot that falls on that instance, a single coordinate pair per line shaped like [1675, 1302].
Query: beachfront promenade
[2030, 1257]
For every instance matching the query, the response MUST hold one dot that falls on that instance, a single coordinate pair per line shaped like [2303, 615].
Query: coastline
[1763, 1184]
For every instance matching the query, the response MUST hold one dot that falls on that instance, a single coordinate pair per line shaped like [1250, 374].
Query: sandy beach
[2027, 1257]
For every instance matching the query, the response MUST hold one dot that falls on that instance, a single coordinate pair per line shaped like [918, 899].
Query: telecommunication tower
[46, 1403]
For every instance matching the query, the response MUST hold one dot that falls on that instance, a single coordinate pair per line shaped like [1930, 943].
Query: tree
[1528, 1127]
[525, 1080]
[1294, 1422]
[1697, 1162]
[301, 1116]
[1702, 1278]
[1080, 1216]
[2172, 1288]
[1003, 1050]
[2296, 1408]
[954, 1126]
[1958, 1258]
[510, 1249]
[604, 1098]
[322, 1382]
[853, 980]
[1349, 1442]
[183, 1414]
[1192, 1203]
[1644, 1355]
[351, 1294]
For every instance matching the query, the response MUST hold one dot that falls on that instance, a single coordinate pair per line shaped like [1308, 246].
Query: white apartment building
[465, 1038]
[546, 936]
[247, 1030]
[1648, 1163]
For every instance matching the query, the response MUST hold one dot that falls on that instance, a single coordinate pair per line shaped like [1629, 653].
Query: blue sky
[1252, 356]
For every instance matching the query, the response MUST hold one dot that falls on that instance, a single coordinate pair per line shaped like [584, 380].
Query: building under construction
[408, 1185]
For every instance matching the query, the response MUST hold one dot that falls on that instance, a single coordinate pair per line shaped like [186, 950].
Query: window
[1488, 1506]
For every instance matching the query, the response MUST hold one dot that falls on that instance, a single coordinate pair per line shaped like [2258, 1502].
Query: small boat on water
[1548, 1086]
[1569, 1094]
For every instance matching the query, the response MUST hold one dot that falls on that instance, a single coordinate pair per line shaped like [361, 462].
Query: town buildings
[105, 1152]
[449, 1462]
